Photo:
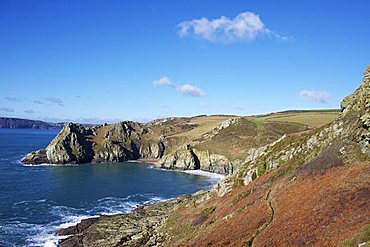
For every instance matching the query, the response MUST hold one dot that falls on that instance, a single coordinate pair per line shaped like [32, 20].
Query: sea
[35, 201]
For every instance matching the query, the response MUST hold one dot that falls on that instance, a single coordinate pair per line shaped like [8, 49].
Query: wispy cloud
[239, 108]
[55, 100]
[87, 120]
[184, 89]
[190, 90]
[315, 96]
[29, 111]
[246, 26]
[164, 81]
[6, 109]
[14, 99]
[38, 102]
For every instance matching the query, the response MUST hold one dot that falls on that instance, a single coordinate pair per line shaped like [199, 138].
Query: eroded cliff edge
[308, 189]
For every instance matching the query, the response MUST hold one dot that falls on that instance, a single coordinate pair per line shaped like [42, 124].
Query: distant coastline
[19, 123]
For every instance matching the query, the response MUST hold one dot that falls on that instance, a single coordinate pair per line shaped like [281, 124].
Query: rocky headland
[304, 188]
[76, 144]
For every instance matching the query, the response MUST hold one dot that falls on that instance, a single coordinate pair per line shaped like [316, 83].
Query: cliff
[118, 142]
[305, 189]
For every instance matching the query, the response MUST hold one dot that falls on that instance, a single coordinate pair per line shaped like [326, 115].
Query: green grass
[362, 236]
[241, 196]
[313, 119]
[208, 211]
[261, 169]
[204, 125]
[238, 183]
[234, 141]
[248, 132]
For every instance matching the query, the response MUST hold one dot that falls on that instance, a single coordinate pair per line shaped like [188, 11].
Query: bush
[261, 169]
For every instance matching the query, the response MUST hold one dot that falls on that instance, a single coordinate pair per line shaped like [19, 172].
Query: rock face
[127, 141]
[357, 107]
[188, 158]
[119, 142]
[70, 146]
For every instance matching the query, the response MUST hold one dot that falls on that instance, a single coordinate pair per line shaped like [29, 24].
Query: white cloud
[164, 81]
[315, 96]
[246, 26]
[190, 90]
[184, 89]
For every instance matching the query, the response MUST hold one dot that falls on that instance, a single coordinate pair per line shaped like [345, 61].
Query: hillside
[223, 148]
[306, 189]
[18, 123]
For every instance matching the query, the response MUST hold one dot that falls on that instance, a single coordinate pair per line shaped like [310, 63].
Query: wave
[211, 176]
[45, 164]
[57, 217]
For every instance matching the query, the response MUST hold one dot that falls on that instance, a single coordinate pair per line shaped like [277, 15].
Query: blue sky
[97, 61]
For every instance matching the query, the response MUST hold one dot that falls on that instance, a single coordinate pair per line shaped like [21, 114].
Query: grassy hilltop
[248, 132]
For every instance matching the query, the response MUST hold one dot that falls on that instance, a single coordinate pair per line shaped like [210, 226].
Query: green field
[313, 119]
[204, 125]
[250, 131]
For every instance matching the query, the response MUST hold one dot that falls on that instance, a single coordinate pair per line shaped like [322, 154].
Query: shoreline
[134, 227]
[73, 232]
[150, 161]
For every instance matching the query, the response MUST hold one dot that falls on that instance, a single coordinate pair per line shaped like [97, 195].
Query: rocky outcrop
[139, 228]
[187, 158]
[119, 142]
[69, 146]
[127, 141]
[356, 107]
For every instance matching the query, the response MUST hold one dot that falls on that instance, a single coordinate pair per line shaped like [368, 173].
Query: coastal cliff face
[306, 189]
[188, 158]
[118, 142]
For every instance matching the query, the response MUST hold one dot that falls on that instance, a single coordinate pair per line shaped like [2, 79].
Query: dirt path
[249, 242]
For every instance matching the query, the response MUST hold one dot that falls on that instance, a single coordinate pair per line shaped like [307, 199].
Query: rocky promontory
[76, 144]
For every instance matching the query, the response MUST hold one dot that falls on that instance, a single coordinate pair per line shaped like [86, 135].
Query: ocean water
[35, 201]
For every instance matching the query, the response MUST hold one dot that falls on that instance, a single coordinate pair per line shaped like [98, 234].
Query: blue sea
[35, 201]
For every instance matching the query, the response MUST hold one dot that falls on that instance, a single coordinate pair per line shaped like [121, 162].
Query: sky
[101, 61]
